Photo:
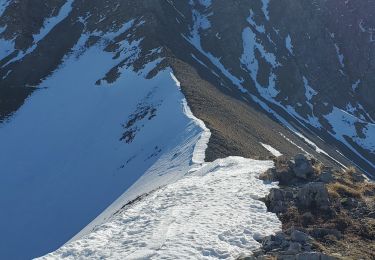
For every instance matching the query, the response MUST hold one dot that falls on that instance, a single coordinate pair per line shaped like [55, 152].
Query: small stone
[326, 177]
[298, 236]
[268, 243]
[357, 177]
[294, 248]
[307, 218]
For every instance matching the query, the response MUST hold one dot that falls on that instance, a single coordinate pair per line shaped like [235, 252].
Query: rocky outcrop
[322, 211]
[313, 196]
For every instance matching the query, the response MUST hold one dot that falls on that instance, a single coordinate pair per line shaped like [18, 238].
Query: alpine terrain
[137, 129]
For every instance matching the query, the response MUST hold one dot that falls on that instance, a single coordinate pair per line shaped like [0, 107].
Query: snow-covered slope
[212, 213]
[75, 146]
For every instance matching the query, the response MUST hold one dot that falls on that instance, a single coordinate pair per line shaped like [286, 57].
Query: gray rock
[275, 201]
[298, 236]
[357, 177]
[302, 166]
[314, 196]
[371, 214]
[294, 248]
[269, 243]
[307, 218]
[326, 177]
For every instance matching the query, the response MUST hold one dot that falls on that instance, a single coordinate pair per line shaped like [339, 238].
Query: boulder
[269, 175]
[275, 201]
[307, 218]
[313, 196]
[302, 167]
[326, 177]
[298, 236]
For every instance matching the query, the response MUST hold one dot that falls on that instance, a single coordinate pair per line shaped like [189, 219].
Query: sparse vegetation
[318, 168]
[344, 230]
[338, 190]
[350, 170]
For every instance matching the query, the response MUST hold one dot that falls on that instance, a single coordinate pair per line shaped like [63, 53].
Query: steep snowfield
[74, 147]
[86, 142]
[212, 213]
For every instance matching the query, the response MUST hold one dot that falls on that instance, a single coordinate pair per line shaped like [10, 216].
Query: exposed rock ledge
[326, 213]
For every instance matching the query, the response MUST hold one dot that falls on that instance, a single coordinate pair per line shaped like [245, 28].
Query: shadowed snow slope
[74, 147]
[213, 212]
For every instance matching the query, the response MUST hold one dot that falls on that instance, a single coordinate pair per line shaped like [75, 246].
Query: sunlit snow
[213, 213]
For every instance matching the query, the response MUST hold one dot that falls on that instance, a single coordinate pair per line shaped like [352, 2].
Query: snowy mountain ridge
[100, 100]
[213, 212]
[108, 141]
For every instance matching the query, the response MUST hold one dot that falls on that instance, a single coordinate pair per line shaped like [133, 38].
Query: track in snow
[213, 212]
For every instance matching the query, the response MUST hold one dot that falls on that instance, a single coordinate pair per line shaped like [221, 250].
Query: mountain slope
[74, 147]
[88, 105]
[262, 56]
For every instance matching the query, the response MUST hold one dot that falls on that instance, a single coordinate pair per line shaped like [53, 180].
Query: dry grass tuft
[337, 190]
[318, 168]
[350, 170]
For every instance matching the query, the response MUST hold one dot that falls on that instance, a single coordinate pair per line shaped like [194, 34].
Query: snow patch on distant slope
[3, 5]
[213, 213]
[344, 125]
[265, 8]
[250, 62]
[47, 27]
[289, 44]
[50, 23]
[6, 47]
[271, 149]
[250, 20]
[340, 56]
[309, 91]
